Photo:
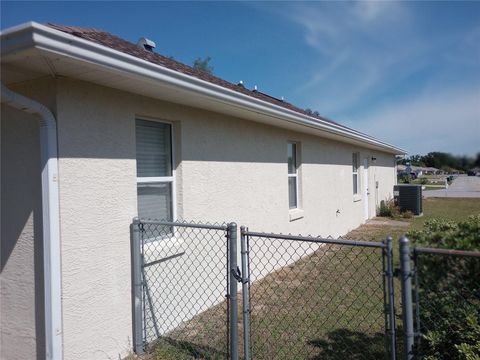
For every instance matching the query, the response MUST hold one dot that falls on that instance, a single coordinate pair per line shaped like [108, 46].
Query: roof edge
[61, 43]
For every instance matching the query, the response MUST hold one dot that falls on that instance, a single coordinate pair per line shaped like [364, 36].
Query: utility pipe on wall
[50, 215]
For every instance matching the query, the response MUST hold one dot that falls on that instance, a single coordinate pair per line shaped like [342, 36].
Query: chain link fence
[447, 304]
[184, 273]
[315, 298]
[302, 297]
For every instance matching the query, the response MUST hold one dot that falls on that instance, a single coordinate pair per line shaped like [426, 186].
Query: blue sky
[406, 72]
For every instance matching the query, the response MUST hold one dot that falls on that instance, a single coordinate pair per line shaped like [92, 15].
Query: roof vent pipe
[146, 44]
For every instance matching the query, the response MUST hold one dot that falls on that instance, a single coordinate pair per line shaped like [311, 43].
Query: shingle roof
[106, 39]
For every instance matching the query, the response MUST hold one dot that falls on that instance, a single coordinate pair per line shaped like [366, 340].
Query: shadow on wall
[21, 238]
[106, 129]
[226, 139]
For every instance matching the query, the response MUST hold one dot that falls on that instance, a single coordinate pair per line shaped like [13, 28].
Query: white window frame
[293, 175]
[173, 244]
[296, 212]
[355, 171]
[163, 179]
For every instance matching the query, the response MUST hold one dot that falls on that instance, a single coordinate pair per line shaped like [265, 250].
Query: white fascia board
[54, 41]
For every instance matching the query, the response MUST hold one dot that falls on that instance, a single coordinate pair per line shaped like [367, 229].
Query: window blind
[155, 201]
[154, 153]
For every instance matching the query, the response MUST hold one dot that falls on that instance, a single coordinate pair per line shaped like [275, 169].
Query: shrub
[404, 179]
[449, 290]
[384, 210]
[424, 181]
[388, 209]
[464, 235]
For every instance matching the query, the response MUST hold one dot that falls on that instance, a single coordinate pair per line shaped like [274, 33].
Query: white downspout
[51, 220]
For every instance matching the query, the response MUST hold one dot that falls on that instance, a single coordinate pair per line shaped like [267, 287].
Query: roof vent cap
[146, 44]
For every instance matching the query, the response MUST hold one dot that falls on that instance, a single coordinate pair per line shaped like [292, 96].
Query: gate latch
[237, 274]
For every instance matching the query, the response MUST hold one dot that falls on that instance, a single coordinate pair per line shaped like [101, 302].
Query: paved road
[462, 186]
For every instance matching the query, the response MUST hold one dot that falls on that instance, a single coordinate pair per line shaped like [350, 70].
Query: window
[155, 180]
[355, 166]
[292, 158]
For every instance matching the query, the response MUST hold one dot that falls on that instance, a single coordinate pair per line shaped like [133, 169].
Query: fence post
[137, 291]
[232, 238]
[245, 295]
[407, 305]
[417, 300]
[391, 299]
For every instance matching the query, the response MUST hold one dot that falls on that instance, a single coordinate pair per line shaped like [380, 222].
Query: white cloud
[437, 121]
[370, 10]
[358, 46]
[371, 52]
[333, 27]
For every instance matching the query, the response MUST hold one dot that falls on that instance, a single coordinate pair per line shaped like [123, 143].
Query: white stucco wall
[97, 200]
[240, 167]
[227, 170]
[21, 239]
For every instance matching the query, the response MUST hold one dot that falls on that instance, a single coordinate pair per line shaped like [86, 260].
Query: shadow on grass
[171, 349]
[352, 345]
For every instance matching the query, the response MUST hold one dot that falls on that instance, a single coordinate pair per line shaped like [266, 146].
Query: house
[96, 130]
[414, 171]
[418, 170]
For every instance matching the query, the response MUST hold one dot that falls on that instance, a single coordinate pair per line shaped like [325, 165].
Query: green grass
[447, 208]
[430, 187]
[328, 305]
[455, 209]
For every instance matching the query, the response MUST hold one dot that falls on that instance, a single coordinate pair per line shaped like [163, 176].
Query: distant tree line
[444, 161]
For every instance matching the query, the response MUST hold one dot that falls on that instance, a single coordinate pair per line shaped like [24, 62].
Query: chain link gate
[183, 294]
[307, 297]
[440, 303]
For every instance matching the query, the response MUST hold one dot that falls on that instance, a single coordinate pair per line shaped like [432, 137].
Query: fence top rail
[421, 250]
[312, 239]
[184, 224]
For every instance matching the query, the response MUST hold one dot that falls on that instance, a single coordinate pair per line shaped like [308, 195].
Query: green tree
[416, 160]
[203, 65]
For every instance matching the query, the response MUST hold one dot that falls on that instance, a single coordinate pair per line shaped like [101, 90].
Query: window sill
[295, 214]
[356, 198]
[163, 249]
